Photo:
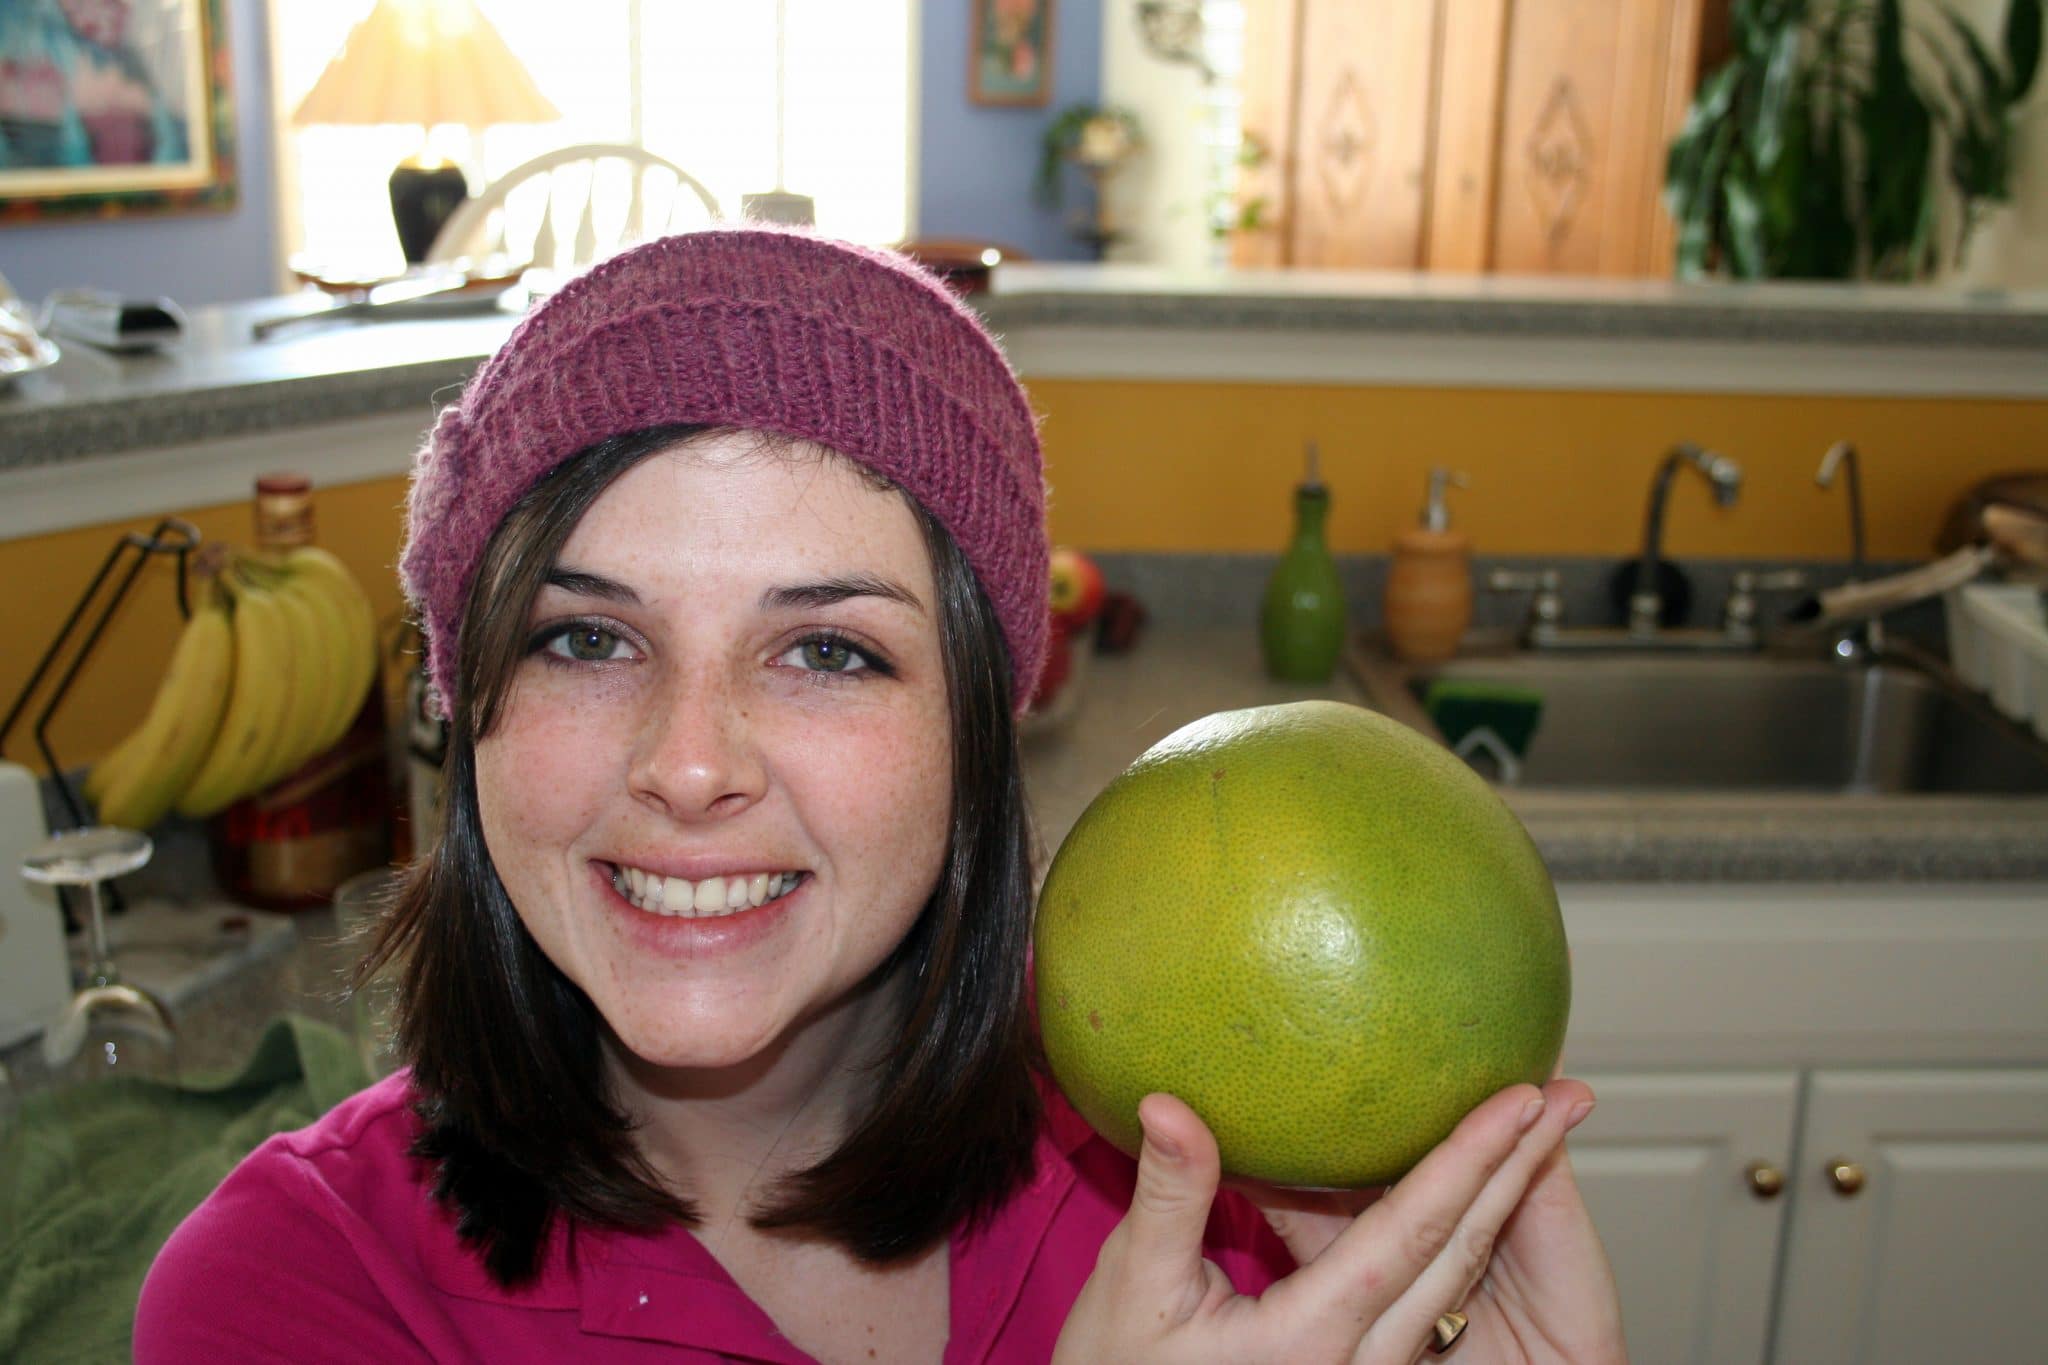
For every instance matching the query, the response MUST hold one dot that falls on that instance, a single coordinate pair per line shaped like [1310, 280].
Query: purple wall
[976, 164]
[975, 167]
[196, 257]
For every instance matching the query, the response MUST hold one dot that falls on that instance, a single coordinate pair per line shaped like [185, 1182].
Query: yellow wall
[1159, 466]
[44, 575]
[1177, 466]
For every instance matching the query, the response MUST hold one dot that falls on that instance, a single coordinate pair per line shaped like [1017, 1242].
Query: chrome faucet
[1869, 636]
[1645, 603]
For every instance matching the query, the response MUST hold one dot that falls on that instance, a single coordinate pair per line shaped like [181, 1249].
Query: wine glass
[109, 1027]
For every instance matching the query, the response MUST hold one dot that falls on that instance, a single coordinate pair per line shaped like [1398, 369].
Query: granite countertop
[221, 383]
[1419, 302]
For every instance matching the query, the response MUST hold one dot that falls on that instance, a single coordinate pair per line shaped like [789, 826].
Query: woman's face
[719, 789]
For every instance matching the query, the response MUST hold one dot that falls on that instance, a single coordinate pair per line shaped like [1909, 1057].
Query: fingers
[1430, 1217]
[1448, 1239]
[1178, 1169]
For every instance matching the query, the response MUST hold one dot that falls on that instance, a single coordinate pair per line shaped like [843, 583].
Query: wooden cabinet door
[1266, 95]
[1364, 91]
[1591, 94]
[1519, 136]
[1663, 1166]
[1464, 170]
[1942, 1252]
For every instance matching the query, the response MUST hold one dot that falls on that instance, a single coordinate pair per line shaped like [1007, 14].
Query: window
[701, 93]
[1222, 122]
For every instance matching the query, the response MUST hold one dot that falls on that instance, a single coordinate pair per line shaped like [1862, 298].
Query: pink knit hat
[760, 328]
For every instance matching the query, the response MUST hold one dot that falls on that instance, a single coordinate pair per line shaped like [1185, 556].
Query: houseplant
[1098, 139]
[1085, 134]
[1819, 150]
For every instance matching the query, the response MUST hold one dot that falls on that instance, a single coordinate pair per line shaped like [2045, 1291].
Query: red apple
[1077, 587]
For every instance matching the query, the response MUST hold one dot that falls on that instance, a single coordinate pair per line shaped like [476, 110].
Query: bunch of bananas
[270, 670]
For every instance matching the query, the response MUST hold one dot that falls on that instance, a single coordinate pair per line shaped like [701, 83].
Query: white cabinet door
[1942, 1252]
[1664, 1163]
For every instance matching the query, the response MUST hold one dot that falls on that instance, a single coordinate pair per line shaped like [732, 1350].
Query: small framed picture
[1012, 56]
[113, 107]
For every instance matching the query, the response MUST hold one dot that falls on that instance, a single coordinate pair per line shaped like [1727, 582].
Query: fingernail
[1579, 1112]
[1531, 1112]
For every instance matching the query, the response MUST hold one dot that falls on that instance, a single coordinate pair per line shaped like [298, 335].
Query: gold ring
[1448, 1329]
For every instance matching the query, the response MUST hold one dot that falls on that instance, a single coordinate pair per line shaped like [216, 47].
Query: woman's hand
[1489, 1224]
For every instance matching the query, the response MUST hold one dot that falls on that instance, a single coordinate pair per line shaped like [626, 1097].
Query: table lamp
[425, 62]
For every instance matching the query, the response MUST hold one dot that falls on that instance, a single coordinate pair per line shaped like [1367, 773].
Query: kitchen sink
[1750, 723]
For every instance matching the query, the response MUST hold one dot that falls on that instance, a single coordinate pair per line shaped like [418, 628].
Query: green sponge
[1459, 706]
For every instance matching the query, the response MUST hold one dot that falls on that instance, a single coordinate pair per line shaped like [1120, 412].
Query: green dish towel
[94, 1178]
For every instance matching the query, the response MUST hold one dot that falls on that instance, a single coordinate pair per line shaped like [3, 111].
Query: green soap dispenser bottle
[1301, 625]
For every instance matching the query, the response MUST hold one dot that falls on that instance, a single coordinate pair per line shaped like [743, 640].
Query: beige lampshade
[425, 62]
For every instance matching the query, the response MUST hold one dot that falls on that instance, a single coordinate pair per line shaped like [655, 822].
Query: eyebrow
[591, 585]
[793, 596]
[837, 589]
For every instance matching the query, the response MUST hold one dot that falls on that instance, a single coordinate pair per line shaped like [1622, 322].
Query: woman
[732, 568]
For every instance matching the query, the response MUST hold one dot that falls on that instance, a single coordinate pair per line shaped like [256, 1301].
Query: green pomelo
[1318, 928]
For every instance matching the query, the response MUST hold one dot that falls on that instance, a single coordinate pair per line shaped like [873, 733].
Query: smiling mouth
[712, 898]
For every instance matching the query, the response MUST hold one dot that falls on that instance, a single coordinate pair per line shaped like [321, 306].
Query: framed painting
[1012, 56]
[112, 107]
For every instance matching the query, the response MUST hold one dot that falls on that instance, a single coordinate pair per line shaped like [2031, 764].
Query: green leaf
[1686, 160]
[1715, 97]
[1921, 249]
[1745, 222]
[1898, 137]
[1696, 230]
[1888, 41]
[1825, 245]
[1748, 27]
[1990, 94]
[2022, 47]
[1781, 78]
[1780, 183]
[1979, 153]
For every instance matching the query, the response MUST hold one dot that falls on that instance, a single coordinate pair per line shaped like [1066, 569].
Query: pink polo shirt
[327, 1245]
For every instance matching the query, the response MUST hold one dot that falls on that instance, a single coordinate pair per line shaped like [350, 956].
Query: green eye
[585, 644]
[828, 655]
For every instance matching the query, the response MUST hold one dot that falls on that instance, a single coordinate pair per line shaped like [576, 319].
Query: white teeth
[712, 898]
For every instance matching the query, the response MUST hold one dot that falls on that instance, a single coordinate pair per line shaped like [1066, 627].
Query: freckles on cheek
[538, 770]
[916, 775]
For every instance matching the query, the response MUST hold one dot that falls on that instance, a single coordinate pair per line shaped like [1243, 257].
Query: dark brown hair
[507, 1052]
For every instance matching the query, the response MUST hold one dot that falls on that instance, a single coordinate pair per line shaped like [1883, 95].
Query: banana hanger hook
[172, 536]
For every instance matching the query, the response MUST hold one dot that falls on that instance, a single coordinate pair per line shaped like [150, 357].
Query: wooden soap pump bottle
[1429, 584]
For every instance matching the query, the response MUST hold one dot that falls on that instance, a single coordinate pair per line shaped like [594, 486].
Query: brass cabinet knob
[1845, 1175]
[1765, 1180]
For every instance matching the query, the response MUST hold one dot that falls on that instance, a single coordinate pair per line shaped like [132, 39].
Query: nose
[696, 755]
